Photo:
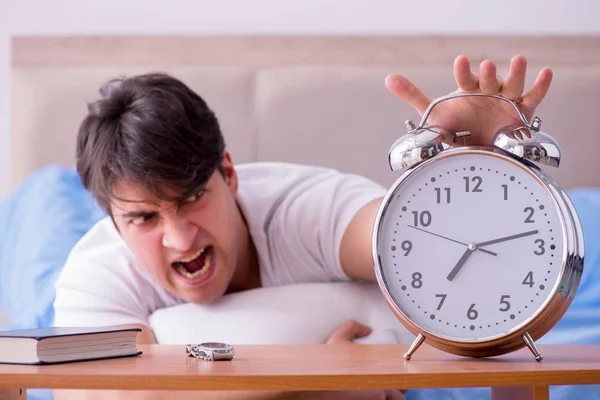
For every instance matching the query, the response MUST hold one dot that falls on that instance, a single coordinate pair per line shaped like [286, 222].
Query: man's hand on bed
[347, 333]
[482, 116]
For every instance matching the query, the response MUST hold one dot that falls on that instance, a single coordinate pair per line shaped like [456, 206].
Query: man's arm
[356, 250]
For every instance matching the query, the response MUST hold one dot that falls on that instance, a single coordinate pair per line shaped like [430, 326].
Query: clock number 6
[472, 313]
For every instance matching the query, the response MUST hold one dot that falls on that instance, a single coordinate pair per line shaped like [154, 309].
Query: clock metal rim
[553, 308]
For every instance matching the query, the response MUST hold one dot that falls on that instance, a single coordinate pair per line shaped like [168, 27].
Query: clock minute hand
[505, 238]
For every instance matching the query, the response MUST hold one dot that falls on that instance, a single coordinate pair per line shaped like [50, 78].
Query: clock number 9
[407, 247]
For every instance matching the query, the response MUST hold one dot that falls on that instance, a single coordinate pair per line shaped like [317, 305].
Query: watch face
[215, 345]
[471, 246]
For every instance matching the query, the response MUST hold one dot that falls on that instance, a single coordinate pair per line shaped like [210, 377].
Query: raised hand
[482, 116]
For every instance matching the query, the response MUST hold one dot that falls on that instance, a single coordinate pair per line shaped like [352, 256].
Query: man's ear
[229, 173]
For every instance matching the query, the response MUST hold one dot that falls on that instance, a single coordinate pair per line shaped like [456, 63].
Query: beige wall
[39, 17]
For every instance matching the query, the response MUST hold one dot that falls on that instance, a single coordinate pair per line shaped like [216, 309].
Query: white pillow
[292, 314]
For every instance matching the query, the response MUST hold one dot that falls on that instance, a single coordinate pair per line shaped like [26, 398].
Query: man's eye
[141, 220]
[195, 197]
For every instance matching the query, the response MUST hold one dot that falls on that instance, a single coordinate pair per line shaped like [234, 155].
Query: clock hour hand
[505, 238]
[470, 249]
[452, 240]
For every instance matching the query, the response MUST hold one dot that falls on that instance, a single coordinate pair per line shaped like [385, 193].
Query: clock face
[471, 246]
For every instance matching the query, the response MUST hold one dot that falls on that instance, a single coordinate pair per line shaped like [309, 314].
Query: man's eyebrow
[137, 214]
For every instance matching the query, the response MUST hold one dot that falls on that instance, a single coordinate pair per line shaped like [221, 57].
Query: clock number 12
[476, 180]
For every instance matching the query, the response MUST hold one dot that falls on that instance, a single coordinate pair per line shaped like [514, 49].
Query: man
[186, 225]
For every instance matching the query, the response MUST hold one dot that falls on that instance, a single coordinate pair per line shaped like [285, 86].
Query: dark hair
[152, 130]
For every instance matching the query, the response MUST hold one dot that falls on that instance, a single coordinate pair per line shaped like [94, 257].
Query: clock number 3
[540, 250]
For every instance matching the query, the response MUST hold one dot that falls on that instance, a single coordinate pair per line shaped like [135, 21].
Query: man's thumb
[349, 331]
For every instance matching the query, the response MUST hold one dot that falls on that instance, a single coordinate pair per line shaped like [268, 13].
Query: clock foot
[414, 346]
[531, 345]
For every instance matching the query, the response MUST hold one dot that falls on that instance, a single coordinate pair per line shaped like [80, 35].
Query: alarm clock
[477, 250]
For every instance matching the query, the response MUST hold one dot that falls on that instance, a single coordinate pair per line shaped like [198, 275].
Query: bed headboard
[310, 99]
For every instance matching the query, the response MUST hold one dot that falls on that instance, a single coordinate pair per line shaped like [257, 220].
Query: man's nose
[179, 234]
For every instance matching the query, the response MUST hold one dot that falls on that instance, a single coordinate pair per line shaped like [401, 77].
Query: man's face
[190, 248]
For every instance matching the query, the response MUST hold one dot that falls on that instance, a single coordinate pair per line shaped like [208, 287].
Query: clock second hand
[452, 240]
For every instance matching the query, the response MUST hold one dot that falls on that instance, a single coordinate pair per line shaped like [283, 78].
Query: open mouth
[196, 265]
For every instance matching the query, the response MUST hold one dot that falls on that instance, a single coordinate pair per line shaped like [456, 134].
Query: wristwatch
[210, 351]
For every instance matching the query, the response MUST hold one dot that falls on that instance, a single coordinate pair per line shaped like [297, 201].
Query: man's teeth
[192, 257]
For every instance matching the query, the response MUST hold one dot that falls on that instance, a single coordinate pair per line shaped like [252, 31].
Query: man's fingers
[406, 91]
[466, 80]
[349, 331]
[538, 91]
[515, 83]
[489, 81]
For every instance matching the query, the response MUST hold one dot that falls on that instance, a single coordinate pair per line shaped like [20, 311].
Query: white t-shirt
[296, 216]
